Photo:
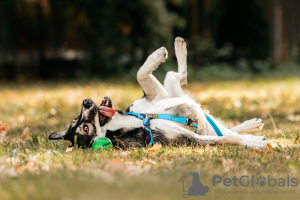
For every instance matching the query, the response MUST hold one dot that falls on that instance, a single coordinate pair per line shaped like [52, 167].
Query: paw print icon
[261, 181]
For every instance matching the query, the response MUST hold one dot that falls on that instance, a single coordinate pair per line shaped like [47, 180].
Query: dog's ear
[57, 135]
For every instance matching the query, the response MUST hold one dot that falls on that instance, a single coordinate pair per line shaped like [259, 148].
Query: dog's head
[89, 125]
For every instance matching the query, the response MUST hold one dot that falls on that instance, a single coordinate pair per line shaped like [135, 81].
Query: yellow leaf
[25, 135]
[155, 147]
[269, 146]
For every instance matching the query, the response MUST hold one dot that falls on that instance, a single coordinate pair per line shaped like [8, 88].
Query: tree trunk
[277, 30]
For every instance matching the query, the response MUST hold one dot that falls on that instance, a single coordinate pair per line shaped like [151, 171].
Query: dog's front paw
[256, 142]
[253, 125]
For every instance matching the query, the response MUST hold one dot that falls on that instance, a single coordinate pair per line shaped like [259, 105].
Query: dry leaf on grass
[279, 132]
[255, 152]
[4, 128]
[67, 143]
[267, 148]
[25, 135]
[155, 147]
[149, 161]
[68, 150]
[20, 169]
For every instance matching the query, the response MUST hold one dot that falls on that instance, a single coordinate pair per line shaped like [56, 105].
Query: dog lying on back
[164, 115]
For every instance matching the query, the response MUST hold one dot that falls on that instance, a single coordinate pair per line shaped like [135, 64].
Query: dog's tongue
[106, 109]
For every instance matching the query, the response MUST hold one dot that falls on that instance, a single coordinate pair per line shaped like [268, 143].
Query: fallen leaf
[25, 135]
[20, 169]
[68, 149]
[67, 143]
[148, 161]
[40, 154]
[269, 146]
[4, 128]
[155, 147]
[279, 132]
[255, 152]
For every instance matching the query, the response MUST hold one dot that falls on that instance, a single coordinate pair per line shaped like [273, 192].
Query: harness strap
[214, 126]
[147, 117]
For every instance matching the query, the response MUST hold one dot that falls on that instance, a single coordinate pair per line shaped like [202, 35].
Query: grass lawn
[31, 167]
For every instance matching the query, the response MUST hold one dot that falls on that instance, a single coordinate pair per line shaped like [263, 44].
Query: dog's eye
[86, 128]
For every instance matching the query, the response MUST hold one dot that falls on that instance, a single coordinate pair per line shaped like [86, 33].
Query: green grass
[40, 169]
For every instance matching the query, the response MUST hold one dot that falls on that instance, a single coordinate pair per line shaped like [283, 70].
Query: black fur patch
[126, 139]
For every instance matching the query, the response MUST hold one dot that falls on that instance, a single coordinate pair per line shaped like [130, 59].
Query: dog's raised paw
[180, 50]
[160, 55]
[252, 125]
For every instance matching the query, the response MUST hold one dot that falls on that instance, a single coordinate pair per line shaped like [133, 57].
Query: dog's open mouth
[106, 110]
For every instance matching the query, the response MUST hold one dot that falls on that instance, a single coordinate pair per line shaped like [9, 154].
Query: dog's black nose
[87, 103]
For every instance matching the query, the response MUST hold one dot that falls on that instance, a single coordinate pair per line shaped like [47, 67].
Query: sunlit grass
[36, 168]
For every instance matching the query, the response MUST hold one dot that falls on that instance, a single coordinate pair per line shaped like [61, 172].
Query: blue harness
[183, 120]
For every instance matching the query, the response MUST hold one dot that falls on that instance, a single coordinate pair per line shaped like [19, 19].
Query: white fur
[166, 99]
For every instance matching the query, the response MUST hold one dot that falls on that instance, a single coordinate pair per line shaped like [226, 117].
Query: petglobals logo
[192, 186]
[237, 185]
[250, 181]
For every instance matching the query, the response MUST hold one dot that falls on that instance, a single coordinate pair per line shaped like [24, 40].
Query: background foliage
[76, 38]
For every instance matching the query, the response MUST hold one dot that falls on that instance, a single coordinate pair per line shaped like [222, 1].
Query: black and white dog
[164, 115]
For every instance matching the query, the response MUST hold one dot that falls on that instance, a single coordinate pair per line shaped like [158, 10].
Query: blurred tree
[55, 38]
[114, 34]
[119, 34]
[244, 25]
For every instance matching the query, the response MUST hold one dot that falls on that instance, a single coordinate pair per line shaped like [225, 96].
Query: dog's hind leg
[251, 125]
[172, 132]
[152, 88]
[175, 80]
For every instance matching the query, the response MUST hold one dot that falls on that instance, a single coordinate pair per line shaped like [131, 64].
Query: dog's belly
[182, 106]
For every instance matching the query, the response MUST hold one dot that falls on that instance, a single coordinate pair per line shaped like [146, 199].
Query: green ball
[102, 143]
